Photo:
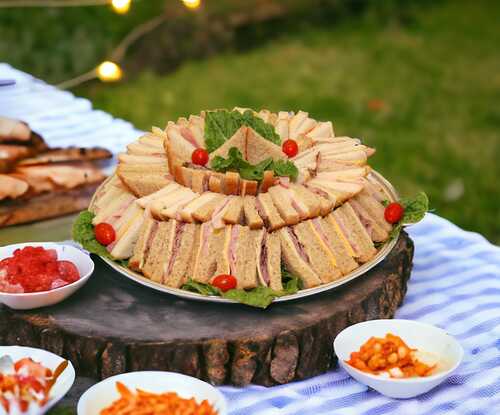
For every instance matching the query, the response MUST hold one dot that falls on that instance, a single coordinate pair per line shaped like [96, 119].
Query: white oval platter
[358, 272]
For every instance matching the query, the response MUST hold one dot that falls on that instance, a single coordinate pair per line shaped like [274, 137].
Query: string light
[121, 6]
[109, 72]
[192, 4]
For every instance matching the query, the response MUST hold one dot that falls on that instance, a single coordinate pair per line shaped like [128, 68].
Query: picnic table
[455, 283]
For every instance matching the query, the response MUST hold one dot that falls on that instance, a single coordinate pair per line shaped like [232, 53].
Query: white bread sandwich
[259, 149]
[296, 259]
[268, 258]
[237, 258]
[282, 199]
[320, 256]
[209, 242]
[238, 140]
[330, 232]
[144, 243]
[355, 233]
[377, 233]
[252, 217]
[268, 212]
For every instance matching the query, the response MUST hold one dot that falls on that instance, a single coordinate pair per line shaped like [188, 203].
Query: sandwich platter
[244, 206]
[358, 272]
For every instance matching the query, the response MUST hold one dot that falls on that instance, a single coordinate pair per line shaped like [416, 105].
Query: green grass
[436, 79]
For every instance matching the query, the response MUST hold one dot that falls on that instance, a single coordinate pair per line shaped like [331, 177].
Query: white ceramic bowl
[50, 360]
[104, 393]
[424, 337]
[27, 301]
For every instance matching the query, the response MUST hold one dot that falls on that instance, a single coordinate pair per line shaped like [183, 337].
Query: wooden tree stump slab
[114, 325]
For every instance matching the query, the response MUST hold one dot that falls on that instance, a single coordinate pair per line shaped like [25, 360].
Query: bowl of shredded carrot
[152, 393]
[398, 358]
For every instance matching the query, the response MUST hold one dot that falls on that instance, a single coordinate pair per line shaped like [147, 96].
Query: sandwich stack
[176, 220]
[38, 182]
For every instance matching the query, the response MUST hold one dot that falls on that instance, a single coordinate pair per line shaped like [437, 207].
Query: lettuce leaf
[220, 125]
[259, 297]
[235, 162]
[285, 168]
[414, 211]
[83, 233]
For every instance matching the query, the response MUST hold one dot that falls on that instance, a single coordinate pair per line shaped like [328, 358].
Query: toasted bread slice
[11, 187]
[267, 181]
[65, 155]
[215, 182]
[231, 183]
[248, 187]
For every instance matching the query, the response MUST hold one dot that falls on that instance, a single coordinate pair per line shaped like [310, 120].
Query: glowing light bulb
[192, 4]
[109, 72]
[121, 6]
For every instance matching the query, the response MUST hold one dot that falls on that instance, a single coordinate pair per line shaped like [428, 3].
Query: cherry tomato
[224, 282]
[290, 148]
[393, 212]
[104, 233]
[199, 157]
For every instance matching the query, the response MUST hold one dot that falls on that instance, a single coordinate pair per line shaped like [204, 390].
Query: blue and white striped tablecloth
[455, 284]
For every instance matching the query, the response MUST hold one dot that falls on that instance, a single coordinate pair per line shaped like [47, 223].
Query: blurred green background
[418, 80]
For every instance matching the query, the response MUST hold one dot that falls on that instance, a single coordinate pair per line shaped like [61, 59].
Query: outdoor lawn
[425, 93]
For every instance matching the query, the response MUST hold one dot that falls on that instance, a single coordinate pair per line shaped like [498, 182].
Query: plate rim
[358, 272]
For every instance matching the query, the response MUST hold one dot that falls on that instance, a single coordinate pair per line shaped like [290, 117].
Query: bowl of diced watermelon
[39, 274]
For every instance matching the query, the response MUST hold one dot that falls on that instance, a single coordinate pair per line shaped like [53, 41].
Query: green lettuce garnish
[259, 297]
[83, 233]
[220, 126]
[414, 211]
[236, 162]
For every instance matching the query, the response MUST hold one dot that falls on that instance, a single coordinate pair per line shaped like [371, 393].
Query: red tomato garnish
[104, 233]
[199, 157]
[224, 282]
[290, 148]
[394, 212]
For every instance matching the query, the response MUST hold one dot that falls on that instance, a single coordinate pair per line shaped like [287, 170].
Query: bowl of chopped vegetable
[152, 392]
[39, 274]
[398, 358]
[32, 380]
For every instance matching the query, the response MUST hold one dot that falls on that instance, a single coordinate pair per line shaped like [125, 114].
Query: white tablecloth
[455, 284]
